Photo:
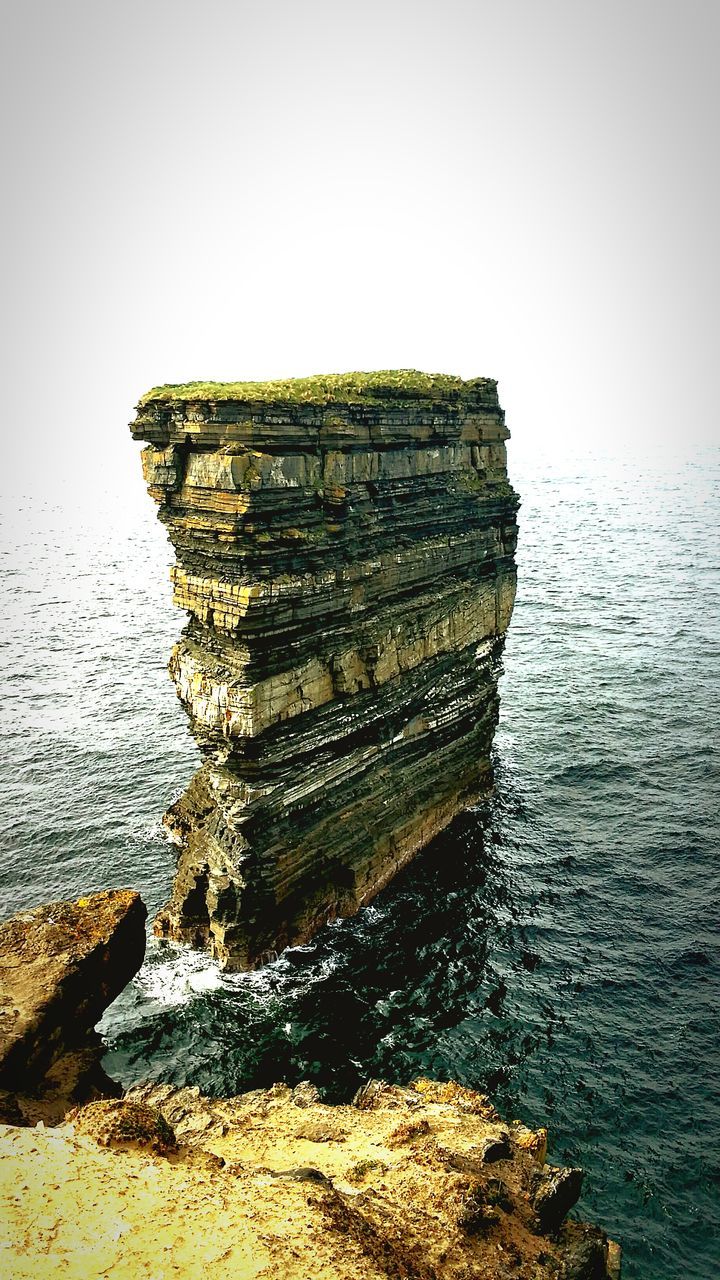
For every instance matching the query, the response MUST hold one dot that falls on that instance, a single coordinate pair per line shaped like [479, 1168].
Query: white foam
[174, 978]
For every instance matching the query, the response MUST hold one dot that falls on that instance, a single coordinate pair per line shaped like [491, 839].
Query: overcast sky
[524, 189]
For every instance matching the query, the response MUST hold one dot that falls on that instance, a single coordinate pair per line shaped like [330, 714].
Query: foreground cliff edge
[345, 553]
[425, 1182]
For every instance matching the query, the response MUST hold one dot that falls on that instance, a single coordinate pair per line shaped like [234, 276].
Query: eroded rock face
[345, 553]
[61, 965]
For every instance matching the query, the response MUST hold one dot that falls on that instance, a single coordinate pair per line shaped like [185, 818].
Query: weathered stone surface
[257, 1187]
[123, 1123]
[557, 1192]
[587, 1256]
[345, 553]
[60, 967]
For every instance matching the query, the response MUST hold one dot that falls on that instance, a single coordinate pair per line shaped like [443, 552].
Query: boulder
[61, 965]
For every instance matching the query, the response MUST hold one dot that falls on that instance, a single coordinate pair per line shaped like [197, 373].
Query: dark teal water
[558, 948]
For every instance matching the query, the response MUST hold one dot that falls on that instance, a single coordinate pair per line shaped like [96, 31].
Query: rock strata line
[345, 553]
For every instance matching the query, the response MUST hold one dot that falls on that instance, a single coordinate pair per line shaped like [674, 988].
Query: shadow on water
[424, 981]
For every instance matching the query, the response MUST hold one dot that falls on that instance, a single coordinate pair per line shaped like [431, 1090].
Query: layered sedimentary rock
[61, 965]
[345, 554]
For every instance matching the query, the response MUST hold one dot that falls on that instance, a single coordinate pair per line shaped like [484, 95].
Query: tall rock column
[345, 554]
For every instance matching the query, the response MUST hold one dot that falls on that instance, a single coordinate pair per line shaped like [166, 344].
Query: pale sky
[524, 189]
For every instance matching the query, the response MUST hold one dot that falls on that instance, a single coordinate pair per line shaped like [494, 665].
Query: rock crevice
[345, 552]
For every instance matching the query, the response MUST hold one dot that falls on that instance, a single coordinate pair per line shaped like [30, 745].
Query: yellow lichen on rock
[275, 1184]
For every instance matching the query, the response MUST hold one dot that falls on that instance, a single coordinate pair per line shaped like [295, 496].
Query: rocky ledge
[425, 1182]
[419, 1183]
[345, 553]
[60, 967]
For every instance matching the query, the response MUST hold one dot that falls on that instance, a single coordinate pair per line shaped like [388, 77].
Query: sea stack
[345, 552]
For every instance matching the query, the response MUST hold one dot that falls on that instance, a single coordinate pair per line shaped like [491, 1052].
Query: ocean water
[557, 947]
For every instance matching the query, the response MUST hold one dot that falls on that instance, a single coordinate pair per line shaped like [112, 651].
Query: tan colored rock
[61, 965]
[124, 1123]
[258, 1187]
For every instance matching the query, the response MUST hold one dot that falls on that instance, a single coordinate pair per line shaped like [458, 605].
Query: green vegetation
[325, 388]
[503, 489]
[364, 1167]
[471, 482]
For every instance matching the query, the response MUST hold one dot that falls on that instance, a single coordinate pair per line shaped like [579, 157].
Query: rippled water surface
[558, 948]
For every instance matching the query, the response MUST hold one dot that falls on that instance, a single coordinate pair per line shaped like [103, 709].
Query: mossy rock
[363, 1168]
[117, 1122]
[323, 389]
[471, 482]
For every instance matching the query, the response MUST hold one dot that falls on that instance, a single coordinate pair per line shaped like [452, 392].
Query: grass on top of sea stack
[325, 388]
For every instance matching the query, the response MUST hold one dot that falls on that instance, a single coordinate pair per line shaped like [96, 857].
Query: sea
[556, 947]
